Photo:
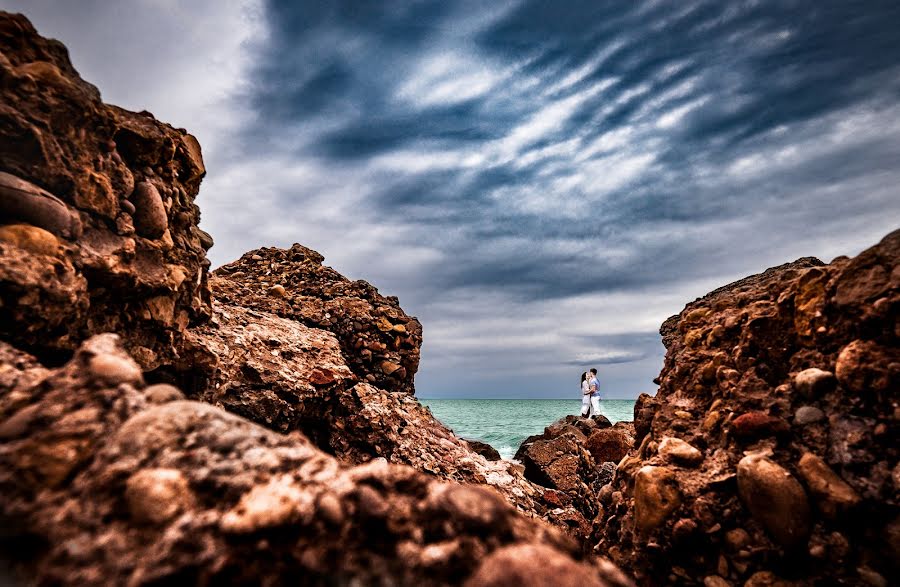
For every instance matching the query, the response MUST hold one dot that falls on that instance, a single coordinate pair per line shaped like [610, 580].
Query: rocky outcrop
[98, 227]
[106, 480]
[564, 460]
[769, 454]
[380, 342]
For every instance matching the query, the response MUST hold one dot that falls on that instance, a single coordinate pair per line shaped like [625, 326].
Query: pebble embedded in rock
[276, 503]
[814, 382]
[25, 202]
[114, 369]
[758, 424]
[277, 291]
[158, 495]
[832, 494]
[127, 206]
[656, 496]
[30, 238]
[678, 451]
[775, 498]
[161, 393]
[808, 415]
[150, 218]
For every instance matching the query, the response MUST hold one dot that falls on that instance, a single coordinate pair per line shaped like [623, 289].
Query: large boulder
[108, 481]
[98, 227]
[770, 451]
[380, 342]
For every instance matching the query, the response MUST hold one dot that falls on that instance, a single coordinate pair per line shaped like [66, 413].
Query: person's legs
[585, 405]
[595, 405]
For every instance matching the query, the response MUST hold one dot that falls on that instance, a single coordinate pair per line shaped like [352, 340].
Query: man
[594, 387]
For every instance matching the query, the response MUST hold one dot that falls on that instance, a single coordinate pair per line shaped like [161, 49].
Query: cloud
[543, 183]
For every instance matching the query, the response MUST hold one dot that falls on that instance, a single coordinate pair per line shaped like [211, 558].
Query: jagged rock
[806, 343]
[377, 338]
[608, 445]
[70, 184]
[485, 450]
[212, 498]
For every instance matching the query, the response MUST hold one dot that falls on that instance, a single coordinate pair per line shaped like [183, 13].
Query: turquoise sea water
[504, 424]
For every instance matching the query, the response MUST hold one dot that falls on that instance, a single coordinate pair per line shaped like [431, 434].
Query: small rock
[737, 539]
[775, 498]
[863, 366]
[814, 382]
[484, 449]
[387, 367]
[678, 451]
[277, 291]
[331, 509]
[808, 415]
[278, 502]
[30, 238]
[127, 206]
[656, 496]
[161, 393]
[115, 369]
[530, 564]
[766, 579]
[158, 495]
[872, 577]
[23, 202]
[832, 494]
[715, 581]
[150, 218]
[757, 425]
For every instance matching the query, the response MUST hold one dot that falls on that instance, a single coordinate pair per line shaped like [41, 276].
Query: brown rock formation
[106, 481]
[380, 342]
[98, 229]
[770, 451]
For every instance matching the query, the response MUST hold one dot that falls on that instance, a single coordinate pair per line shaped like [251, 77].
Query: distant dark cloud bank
[541, 183]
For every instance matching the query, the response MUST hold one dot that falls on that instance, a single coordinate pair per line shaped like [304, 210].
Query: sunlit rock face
[98, 227]
[770, 451]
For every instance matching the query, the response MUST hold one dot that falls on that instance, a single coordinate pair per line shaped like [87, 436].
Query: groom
[594, 386]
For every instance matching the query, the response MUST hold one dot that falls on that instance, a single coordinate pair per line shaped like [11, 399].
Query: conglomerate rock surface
[770, 454]
[101, 200]
[108, 481]
[380, 342]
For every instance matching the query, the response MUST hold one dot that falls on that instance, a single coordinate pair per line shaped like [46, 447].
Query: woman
[585, 395]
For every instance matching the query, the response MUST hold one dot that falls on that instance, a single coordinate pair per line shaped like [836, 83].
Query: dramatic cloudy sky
[541, 183]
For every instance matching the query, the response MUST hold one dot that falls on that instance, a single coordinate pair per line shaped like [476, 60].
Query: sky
[541, 183]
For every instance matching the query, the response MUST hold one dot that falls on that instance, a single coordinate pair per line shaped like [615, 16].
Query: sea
[505, 423]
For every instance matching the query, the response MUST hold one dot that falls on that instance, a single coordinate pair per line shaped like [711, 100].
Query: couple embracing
[590, 394]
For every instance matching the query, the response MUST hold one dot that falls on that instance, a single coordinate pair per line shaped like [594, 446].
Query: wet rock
[150, 218]
[775, 498]
[808, 415]
[832, 495]
[680, 452]
[608, 445]
[814, 382]
[656, 496]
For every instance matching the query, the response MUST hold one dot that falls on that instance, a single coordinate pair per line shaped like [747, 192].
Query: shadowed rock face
[105, 480]
[380, 342]
[98, 229]
[770, 451]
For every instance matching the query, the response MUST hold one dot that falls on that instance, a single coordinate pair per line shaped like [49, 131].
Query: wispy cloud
[542, 183]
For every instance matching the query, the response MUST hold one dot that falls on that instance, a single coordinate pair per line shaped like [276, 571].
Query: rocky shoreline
[164, 424]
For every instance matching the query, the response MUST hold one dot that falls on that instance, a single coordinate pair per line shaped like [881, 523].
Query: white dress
[585, 398]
